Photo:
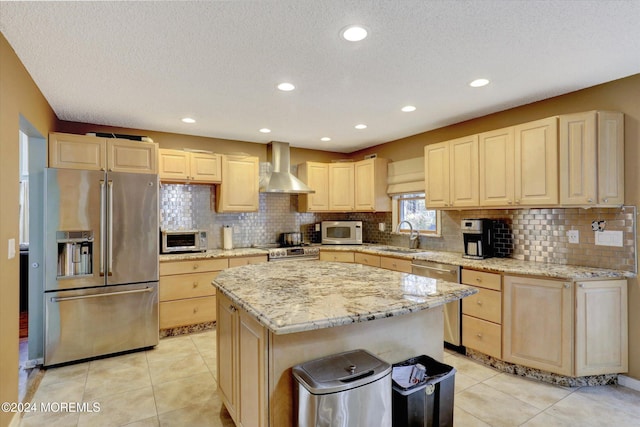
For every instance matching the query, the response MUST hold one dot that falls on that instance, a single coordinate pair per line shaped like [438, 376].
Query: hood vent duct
[280, 179]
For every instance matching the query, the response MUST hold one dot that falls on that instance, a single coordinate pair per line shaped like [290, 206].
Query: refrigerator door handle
[110, 226]
[110, 294]
[102, 226]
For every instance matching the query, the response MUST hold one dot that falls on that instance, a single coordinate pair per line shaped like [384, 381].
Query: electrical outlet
[574, 236]
[318, 227]
[381, 226]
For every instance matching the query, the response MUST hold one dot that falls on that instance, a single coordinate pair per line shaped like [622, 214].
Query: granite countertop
[499, 265]
[296, 296]
[213, 253]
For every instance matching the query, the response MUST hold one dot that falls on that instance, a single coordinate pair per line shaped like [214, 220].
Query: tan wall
[620, 95]
[19, 95]
[223, 146]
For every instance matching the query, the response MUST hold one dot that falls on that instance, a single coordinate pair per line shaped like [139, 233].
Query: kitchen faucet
[413, 234]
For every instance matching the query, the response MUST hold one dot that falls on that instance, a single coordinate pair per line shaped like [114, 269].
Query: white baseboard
[629, 382]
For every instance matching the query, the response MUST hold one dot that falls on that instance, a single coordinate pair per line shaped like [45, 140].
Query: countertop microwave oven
[341, 232]
[176, 241]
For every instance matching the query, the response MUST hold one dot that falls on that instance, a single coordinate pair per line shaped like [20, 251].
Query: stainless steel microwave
[341, 232]
[183, 241]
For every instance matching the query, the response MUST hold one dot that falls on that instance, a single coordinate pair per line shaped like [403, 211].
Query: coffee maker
[478, 238]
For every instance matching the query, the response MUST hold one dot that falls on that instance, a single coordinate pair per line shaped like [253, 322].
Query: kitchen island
[273, 316]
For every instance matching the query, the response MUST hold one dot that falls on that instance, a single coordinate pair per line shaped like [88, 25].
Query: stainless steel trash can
[350, 389]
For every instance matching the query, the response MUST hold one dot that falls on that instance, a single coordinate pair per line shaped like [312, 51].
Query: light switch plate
[574, 236]
[11, 249]
[609, 238]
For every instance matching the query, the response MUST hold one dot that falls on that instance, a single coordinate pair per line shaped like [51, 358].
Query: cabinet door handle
[581, 285]
[195, 285]
[195, 310]
[232, 309]
[479, 336]
[394, 264]
[479, 302]
[590, 200]
[479, 279]
[509, 202]
[566, 286]
[605, 200]
[195, 266]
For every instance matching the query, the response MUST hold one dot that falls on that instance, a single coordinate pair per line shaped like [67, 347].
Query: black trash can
[428, 403]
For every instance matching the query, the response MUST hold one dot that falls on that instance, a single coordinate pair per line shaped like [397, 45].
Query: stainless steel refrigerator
[101, 263]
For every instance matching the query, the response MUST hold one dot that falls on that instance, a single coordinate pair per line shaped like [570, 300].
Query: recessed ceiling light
[408, 108]
[286, 87]
[325, 139]
[479, 83]
[265, 130]
[354, 33]
[361, 126]
[188, 120]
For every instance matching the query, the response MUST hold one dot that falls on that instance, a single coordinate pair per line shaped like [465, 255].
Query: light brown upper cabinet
[371, 186]
[345, 186]
[182, 166]
[451, 173]
[341, 186]
[592, 158]
[536, 162]
[316, 176]
[70, 151]
[238, 191]
[497, 171]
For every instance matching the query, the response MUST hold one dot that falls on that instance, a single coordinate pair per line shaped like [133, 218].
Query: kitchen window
[411, 207]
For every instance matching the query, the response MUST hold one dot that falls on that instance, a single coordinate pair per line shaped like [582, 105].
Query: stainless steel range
[294, 253]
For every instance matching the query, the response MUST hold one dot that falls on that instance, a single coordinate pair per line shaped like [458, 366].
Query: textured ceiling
[145, 65]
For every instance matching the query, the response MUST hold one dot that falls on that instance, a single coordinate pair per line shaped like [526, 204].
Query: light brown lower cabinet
[482, 313]
[396, 264]
[538, 323]
[242, 365]
[601, 344]
[367, 259]
[186, 294]
[572, 329]
[337, 256]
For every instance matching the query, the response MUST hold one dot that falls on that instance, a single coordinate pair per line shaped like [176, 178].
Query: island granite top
[296, 296]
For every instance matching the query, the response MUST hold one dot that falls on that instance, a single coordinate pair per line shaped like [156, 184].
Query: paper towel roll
[227, 237]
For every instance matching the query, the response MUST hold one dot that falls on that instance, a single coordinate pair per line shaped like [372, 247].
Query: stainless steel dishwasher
[452, 310]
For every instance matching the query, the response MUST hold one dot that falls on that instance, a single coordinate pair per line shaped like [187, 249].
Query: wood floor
[24, 324]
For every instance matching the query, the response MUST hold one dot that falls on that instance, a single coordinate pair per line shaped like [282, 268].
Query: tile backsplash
[525, 234]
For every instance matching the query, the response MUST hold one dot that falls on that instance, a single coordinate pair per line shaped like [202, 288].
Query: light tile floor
[175, 385]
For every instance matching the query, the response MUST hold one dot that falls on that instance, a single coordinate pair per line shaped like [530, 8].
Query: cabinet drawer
[482, 279]
[486, 304]
[337, 256]
[396, 264]
[367, 259]
[236, 262]
[187, 286]
[482, 336]
[194, 266]
[187, 312]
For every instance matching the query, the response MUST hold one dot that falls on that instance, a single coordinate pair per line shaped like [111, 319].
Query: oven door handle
[110, 294]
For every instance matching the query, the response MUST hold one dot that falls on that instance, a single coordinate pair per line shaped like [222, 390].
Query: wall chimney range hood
[280, 179]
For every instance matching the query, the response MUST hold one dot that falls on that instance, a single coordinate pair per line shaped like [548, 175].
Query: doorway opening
[33, 160]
